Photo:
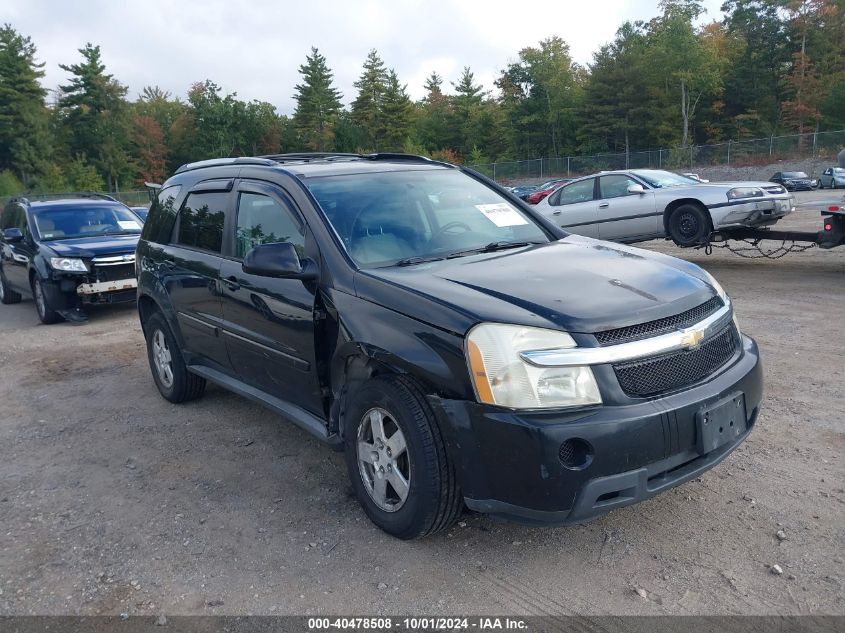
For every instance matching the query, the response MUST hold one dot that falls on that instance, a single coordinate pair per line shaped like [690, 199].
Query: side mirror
[13, 235]
[636, 189]
[279, 260]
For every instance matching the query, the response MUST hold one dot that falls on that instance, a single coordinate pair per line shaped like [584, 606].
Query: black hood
[576, 284]
[94, 246]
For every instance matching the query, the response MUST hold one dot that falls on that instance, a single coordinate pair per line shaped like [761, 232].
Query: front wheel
[689, 225]
[43, 307]
[397, 459]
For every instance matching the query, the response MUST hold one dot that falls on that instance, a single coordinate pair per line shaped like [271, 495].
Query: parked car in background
[141, 212]
[643, 204]
[522, 191]
[545, 189]
[67, 251]
[833, 177]
[458, 347]
[793, 180]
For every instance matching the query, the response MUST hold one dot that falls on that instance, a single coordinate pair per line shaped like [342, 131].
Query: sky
[255, 48]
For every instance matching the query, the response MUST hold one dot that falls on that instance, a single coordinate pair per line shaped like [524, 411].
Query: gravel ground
[113, 500]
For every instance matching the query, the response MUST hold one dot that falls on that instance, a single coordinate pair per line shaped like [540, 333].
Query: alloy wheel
[383, 460]
[162, 359]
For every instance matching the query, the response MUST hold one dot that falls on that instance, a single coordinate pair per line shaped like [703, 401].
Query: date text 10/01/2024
[417, 623]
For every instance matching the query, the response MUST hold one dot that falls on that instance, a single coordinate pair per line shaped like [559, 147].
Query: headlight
[69, 264]
[501, 377]
[744, 192]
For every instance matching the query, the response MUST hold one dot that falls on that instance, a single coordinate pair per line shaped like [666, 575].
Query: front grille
[675, 370]
[660, 326]
[114, 272]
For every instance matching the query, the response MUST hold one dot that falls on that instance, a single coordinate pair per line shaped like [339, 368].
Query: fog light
[575, 453]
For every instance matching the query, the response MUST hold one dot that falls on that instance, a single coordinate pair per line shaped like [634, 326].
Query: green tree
[433, 116]
[82, 176]
[367, 109]
[25, 143]
[317, 103]
[397, 113]
[96, 117]
[466, 107]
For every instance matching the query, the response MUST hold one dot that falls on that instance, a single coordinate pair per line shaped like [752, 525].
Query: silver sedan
[644, 204]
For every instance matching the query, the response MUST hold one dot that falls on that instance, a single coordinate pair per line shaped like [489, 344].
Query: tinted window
[581, 191]
[10, 217]
[389, 216]
[158, 225]
[201, 221]
[615, 186]
[658, 178]
[263, 220]
[794, 174]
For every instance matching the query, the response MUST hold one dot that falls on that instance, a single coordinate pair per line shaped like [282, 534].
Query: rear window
[201, 221]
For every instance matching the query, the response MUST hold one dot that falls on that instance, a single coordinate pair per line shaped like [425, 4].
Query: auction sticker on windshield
[501, 214]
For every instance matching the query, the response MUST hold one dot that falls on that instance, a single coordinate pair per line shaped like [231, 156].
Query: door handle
[556, 213]
[604, 205]
[232, 283]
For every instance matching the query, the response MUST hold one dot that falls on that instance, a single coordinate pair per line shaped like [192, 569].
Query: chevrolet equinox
[461, 349]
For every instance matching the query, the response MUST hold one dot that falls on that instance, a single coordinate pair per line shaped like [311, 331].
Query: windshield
[659, 179]
[794, 174]
[61, 223]
[387, 218]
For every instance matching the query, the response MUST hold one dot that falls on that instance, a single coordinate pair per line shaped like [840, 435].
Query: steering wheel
[447, 227]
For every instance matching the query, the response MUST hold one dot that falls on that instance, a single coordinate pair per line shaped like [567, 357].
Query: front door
[623, 216]
[269, 323]
[17, 255]
[190, 269]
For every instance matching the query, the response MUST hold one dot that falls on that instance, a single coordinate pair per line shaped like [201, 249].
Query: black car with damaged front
[460, 349]
[67, 252]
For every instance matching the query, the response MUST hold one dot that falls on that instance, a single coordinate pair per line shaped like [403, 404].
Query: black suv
[68, 250]
[457, 346]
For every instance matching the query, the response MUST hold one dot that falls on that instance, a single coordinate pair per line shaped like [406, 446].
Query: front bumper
[510, 463]
[750, 213]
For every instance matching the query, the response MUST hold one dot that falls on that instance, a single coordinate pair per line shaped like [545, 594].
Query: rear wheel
[7, 295]
[175, 383]
[43, 307]
[397, 459]
[689, 225]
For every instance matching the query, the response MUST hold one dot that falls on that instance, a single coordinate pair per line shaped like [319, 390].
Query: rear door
[623, 216]
[190, 270]
[573, 208]
[269, 323]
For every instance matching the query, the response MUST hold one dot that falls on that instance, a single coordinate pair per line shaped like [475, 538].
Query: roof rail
[222, 162]
[411, 158]
[309, 156]
[36, 197]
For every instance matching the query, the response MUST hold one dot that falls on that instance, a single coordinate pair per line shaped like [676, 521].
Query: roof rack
[221, 162]
[37, 197]
[305, 157]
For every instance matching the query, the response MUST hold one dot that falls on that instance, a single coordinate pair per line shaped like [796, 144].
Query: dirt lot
[113, 500]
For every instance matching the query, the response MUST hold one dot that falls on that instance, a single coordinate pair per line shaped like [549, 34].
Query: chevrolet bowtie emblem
[693, 339]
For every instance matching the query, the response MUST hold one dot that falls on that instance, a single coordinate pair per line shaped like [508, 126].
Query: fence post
[690, 156]
[815, 137]
[660, 158]
[729, 153]
[494, 172]
[771, 143]
[567, 165]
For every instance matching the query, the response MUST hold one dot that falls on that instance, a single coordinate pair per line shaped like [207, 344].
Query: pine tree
[397, 112]
[96, 116]
[317, 103]
[367, 107]
[467, 100]
[25, 145]
[432, 125]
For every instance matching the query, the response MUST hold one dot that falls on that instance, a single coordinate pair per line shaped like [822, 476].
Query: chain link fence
[816, 146]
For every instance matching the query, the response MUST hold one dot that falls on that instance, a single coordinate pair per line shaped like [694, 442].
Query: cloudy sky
[255, 47]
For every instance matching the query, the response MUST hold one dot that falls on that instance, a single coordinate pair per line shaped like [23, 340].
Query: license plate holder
[721, 423]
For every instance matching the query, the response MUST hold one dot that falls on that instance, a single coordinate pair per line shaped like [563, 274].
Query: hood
[94, 246]
[577, 284]
[740, 183]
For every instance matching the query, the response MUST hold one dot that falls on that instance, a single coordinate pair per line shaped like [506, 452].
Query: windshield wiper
[416, 259]
[491, 248]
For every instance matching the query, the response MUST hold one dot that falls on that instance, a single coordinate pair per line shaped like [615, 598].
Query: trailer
[831, 235]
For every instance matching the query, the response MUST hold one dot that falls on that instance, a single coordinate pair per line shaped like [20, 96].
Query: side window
[615, 186]
[581, 191]
[263, 220]
[201, 221]
[828, 171]
[162, 215]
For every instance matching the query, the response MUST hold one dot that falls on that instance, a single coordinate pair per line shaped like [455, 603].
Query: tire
[7, 295]
[45, 311]
[175, 383]
[433, 499]
[689, 225]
